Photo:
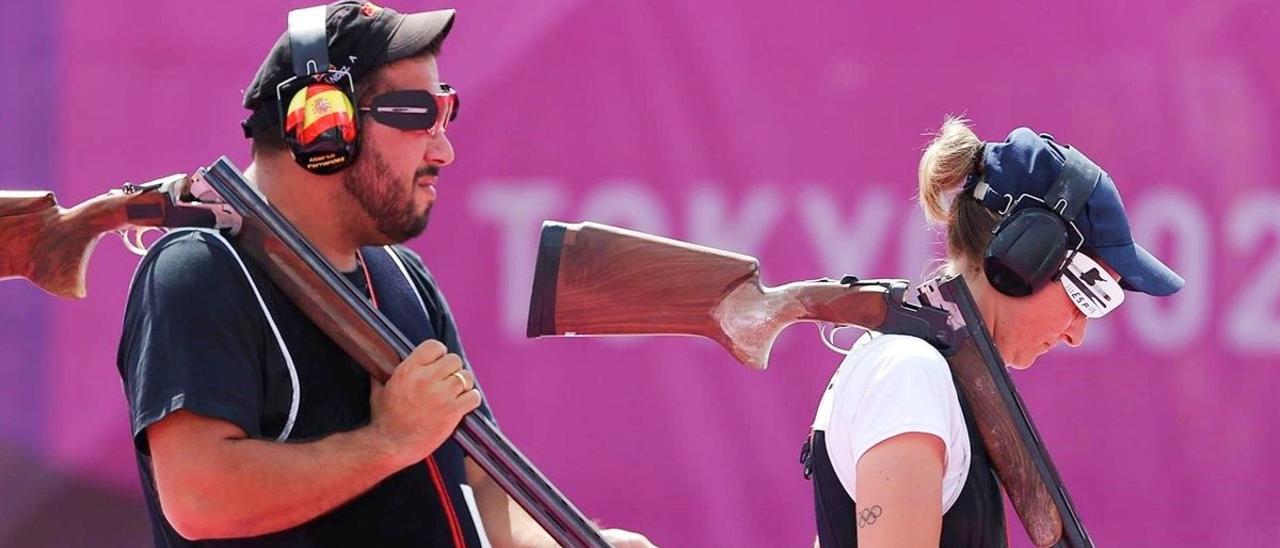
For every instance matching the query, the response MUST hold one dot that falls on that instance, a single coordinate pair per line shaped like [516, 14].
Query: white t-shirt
[890, 385]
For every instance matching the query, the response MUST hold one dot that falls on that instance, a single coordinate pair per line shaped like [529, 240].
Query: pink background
[788, 132]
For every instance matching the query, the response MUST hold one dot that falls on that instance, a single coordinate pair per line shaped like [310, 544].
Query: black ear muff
[1026, 252]
[1031, 244]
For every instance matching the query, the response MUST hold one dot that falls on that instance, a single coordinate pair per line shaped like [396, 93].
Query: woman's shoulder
[899, 351]
[894, 362]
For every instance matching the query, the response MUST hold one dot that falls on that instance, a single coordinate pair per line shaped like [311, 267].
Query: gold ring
[465, 385]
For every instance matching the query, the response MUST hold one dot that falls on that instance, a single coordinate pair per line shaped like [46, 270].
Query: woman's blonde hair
[953, 154]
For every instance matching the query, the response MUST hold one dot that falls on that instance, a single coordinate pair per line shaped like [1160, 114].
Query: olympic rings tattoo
[868, 516]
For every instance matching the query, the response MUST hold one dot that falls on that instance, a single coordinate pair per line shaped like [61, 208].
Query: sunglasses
[1091, 287]
[415, 109]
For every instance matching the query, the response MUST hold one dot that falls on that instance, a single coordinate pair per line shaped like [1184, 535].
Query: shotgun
[593, 279]
[50, 246]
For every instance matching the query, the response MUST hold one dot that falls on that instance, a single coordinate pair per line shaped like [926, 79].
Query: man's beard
[385, 198]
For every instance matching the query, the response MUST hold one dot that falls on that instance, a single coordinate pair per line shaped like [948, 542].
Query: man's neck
[312, 207]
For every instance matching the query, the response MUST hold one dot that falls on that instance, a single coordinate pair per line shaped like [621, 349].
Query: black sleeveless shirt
[976, 519]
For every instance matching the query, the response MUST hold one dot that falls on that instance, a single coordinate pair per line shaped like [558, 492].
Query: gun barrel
[1021, 460]
[333, 304]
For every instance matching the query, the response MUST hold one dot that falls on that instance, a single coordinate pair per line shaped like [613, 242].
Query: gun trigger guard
[829, 337]
[132, 238]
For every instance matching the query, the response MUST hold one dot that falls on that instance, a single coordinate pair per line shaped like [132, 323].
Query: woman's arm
[899, 492]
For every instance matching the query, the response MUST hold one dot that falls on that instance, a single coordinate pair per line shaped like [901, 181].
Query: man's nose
[439, 151]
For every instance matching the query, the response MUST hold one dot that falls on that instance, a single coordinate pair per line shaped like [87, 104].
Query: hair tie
[975, 171]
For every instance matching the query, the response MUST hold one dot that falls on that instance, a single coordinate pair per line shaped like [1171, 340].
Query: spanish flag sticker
[319, 108]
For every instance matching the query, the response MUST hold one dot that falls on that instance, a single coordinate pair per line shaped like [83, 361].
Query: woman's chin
[1020, 362]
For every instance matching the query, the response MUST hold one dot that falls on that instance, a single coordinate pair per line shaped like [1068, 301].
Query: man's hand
[423, 401]
[618, 538]
[509, 526]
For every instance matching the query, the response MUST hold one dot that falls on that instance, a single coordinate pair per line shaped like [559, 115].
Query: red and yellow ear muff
[320, 127]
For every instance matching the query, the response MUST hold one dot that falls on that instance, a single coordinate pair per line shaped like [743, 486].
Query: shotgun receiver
[593, 279]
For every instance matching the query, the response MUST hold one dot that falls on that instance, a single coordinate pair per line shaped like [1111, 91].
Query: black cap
[362, 36]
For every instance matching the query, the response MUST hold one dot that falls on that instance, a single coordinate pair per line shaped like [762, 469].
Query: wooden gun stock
[50, 245]
[594, 279]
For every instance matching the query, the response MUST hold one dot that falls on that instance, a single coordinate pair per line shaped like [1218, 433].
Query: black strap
[1072, 188]
[1075, 183]
[307, 40]
[397, 297]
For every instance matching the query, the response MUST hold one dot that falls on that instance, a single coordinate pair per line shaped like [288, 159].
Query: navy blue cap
[1029, 163]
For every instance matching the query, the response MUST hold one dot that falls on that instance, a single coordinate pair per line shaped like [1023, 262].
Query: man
[252, 428]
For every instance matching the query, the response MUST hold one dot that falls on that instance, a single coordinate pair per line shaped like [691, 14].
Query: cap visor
[1141, 271]
[417, 31]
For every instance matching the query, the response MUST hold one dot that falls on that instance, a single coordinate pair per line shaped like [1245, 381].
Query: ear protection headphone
[1038, 236]
[317, 105]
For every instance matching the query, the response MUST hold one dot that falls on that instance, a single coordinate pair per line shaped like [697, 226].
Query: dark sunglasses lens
[406, 109]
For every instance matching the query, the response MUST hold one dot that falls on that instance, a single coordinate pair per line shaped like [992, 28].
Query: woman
[1040, 236]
